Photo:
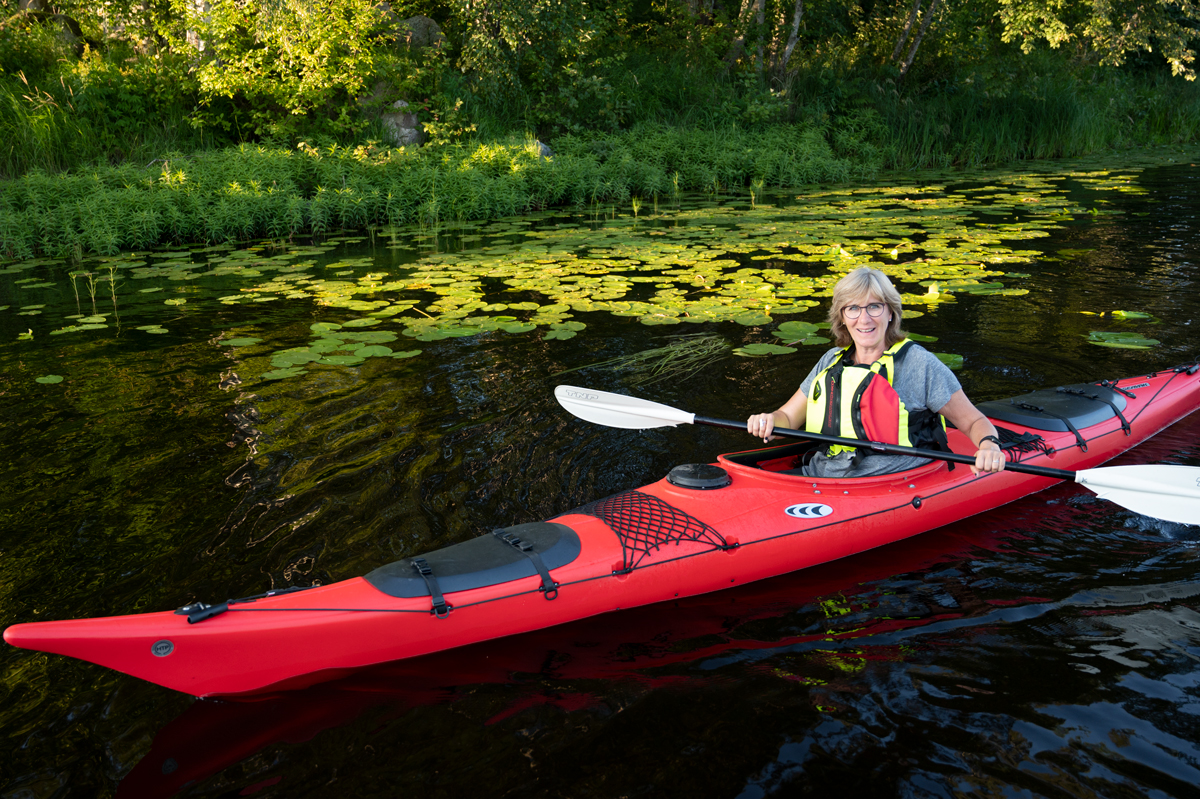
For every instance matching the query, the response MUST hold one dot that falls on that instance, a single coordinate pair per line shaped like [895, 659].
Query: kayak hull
[660, 542]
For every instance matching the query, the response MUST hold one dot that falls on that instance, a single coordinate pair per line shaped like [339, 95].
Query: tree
[273, 66]
[1109, 30]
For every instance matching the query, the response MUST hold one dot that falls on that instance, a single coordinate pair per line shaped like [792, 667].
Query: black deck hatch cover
[481, 562]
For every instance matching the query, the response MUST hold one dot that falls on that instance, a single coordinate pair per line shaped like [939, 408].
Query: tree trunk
[912, 17]
[738, 46]
[912, 53]
[791, 45]
[760, 18]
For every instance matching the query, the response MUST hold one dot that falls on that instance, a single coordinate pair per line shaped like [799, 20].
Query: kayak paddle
[1171, 493]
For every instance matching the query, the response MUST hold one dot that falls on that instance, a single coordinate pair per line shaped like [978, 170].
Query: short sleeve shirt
[921, 380]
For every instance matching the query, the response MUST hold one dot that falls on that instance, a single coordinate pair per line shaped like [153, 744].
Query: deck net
[645, 523]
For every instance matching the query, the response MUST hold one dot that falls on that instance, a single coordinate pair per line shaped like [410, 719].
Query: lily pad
[241, 342]
[406, 354]
[177, 301]
[558, 334]
[373, 350]
[49, 379]
[324, 327]
[280, 374]
[758, 350]
[920, 337]
[1122, 341]
[342, 360]
[952, 360]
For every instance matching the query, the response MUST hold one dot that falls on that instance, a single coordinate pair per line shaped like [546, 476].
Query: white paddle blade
[619, 410]
[1165, 492]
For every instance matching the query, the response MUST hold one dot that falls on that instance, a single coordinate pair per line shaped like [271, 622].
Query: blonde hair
[856, 285]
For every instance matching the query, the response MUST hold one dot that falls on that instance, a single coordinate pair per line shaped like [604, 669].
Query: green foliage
[275, 69]
[246, 192]
[1108, 31]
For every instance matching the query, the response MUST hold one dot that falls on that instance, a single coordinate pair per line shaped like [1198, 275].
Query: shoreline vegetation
[242, 124]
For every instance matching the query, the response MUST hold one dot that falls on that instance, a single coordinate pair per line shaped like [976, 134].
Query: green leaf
[759, 350]
[280, 374]
[1122, 341]
[558, 334]
[49, 379]
[951, 359]
[241, 342]
[372, 351]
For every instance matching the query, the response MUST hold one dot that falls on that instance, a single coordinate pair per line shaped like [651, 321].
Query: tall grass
[249, 192]
[1057, 117]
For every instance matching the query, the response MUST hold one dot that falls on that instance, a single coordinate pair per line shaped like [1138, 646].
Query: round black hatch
[702, 476]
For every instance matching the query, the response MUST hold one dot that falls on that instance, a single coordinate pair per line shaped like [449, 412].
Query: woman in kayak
[877, 385]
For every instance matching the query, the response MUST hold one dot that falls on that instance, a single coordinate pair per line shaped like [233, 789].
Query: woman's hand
[988, 458]
[760, 425]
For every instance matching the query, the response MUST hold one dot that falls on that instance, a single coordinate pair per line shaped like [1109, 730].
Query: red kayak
[702, 528]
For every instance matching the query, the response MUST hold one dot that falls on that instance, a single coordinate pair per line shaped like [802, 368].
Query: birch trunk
[795, 34]
[912, 17]
[912, 53]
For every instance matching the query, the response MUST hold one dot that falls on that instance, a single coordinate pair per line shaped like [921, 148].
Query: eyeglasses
[874, 310]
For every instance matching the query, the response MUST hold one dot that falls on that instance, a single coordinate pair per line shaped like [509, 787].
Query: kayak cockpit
[775, 459]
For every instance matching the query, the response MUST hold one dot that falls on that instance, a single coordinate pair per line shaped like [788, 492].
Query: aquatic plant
[683, 357]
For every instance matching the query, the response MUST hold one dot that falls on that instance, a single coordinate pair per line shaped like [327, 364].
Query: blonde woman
[877, 385]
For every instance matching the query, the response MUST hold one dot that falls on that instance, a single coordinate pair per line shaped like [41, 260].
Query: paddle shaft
[892, 449]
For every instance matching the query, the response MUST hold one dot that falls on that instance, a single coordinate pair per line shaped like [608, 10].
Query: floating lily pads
[176, 301]
[342, 360]
[952, 360]
[406, 354]
[759, 350]
[372, 350]
[1135, 315]
[1122, 341]
[280, 374]
[241, 342]
[49, 379]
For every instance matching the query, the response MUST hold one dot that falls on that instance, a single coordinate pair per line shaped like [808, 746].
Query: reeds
[249, 192]
[684, 357]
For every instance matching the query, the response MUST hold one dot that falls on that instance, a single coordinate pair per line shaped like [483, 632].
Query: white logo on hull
[809, 510]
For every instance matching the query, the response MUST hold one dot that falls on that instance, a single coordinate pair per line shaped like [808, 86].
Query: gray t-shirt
[921, 380]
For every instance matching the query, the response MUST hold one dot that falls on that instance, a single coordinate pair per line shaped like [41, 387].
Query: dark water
[1050, 648]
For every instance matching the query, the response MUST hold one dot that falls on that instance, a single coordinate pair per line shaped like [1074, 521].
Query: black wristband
[992, 438]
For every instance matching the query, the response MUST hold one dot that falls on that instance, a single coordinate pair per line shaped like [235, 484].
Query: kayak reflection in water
[878, 385]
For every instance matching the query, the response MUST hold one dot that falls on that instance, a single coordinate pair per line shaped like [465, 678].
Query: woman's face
[869, 332]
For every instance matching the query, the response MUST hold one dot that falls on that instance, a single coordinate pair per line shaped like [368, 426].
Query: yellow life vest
[850, 400]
